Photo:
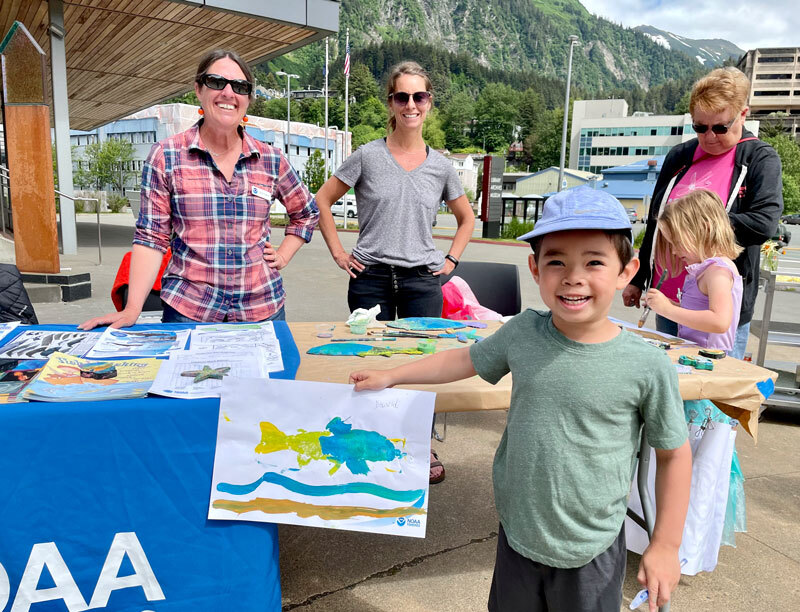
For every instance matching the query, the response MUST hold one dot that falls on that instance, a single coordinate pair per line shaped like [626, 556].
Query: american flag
[347, 61]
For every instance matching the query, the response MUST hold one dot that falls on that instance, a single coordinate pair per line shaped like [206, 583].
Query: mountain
[711, 53]
[527, 35]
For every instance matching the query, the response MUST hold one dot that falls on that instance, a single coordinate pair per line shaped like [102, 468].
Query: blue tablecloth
[123, 487]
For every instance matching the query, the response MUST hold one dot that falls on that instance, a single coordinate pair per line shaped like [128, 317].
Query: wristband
[451, 258]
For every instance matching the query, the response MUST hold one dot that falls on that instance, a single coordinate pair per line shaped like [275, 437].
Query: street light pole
[573, 40]
[288, 107]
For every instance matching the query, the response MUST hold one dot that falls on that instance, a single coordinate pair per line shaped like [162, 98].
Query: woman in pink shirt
[743, 171]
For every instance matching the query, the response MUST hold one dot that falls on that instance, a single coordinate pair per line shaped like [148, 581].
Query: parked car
[783, 235]
[791, 219]
[338, 209]
[633, 216]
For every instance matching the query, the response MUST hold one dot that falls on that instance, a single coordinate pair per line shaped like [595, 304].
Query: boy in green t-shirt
[581, 390]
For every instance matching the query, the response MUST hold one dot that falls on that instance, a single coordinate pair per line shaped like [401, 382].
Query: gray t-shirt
[562, 472]
[396, 208]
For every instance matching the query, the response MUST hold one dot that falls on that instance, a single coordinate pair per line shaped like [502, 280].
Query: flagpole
[326, 109]
[346, 92]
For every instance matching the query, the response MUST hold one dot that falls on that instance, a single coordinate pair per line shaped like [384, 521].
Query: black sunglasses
[401, 97]
[218, 83]
[717, 128]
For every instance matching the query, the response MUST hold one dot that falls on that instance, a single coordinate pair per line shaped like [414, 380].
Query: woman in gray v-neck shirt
[399, 184]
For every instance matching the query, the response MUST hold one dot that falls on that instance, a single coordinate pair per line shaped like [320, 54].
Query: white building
[604, 136]
[152, 124]
[467, 170]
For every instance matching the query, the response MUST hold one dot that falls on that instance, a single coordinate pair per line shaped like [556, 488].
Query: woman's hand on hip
[447, 268]
[631, 296]
[348, 263]
[273, 257]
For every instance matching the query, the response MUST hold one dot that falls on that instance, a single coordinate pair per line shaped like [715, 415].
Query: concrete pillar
[58, 70]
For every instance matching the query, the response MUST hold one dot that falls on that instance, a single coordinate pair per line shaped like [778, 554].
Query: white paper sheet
[636, 330]
[138, 343]
[201, 373]
[241, 336]
[40, 344]
[320, 454]
[7, 328]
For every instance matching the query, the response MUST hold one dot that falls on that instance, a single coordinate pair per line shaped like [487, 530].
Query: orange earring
[199, 111]
[245, 119]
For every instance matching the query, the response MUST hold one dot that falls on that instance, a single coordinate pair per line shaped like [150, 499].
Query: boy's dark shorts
[522, 584]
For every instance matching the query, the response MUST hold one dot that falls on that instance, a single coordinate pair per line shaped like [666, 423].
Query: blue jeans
[401, 292]
[740, 342]
[173, 316]
[666, 326]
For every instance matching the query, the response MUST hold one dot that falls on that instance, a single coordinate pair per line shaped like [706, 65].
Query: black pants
[522, 584]
[401, 292]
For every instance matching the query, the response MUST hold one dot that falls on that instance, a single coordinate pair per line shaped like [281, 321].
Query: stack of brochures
[15, 374]
[65, 378]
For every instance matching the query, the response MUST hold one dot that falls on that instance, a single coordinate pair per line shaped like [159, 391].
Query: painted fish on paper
[339, 443]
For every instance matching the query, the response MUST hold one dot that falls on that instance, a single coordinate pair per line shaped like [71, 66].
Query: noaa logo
[410, 522]
[401, 521]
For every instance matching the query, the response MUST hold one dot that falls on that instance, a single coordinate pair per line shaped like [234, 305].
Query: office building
[152, 124]
[604, 136]
[774, 75]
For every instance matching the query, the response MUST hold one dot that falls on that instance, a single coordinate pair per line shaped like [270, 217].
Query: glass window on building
[782, 92]
[775, 60]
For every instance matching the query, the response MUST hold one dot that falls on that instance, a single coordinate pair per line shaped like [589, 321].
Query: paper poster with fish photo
[322, 455]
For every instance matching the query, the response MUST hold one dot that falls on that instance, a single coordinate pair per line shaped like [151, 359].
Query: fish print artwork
[320, 454]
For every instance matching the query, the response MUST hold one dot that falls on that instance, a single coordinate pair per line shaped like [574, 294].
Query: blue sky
[746, 23]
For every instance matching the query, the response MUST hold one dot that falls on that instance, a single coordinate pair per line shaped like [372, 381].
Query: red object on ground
[123, 276]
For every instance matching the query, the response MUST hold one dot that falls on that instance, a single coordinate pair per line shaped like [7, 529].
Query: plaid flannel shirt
[217, 229]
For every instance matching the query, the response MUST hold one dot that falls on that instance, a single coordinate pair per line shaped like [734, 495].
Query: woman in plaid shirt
[206, 194]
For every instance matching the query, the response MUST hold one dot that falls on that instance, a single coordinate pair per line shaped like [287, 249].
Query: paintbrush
[646, 310]
[370, 339]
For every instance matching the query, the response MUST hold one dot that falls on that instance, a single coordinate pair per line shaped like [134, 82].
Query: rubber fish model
[339, 443]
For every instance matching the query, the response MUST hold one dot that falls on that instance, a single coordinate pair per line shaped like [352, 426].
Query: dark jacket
[756, 204]
[14, 302]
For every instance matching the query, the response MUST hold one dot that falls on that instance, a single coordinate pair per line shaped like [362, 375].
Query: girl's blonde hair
[696, 223]
[408, 67]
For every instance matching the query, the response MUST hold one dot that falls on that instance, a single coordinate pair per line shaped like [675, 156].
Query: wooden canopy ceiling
[125, 55]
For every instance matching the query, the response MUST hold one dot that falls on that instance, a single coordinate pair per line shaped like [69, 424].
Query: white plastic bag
[361, 315]
[712, 450]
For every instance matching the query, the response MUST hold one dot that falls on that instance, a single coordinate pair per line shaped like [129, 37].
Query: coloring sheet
[6, 328]
[245, 336]
[138, 343]
[40, 344]
[201, 373]
[322, 455]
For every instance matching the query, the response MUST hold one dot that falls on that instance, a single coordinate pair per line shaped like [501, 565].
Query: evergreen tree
[456, 117]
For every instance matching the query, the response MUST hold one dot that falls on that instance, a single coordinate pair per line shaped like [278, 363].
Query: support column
[58, 71]
[30, 156]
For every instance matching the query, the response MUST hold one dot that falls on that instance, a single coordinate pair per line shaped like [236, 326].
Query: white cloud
[748, 24]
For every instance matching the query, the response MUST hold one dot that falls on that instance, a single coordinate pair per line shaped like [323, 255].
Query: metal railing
[97, 211]
[4, 177]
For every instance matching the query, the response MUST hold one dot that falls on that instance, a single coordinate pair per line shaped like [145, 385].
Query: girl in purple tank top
[694, 233]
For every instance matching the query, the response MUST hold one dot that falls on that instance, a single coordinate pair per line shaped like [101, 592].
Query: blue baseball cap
[578, 209]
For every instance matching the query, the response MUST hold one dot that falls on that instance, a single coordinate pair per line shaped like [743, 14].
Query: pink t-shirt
[711, 172]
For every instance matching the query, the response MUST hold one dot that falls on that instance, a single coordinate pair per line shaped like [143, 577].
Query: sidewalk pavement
[451, 568]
